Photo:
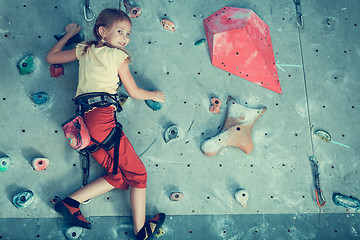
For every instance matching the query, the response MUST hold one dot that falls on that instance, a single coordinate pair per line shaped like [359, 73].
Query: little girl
[101, 63]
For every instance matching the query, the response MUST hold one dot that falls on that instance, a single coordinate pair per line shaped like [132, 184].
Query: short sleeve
[80, 49]
[120, 57]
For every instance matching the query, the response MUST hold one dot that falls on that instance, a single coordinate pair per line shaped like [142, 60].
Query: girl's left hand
[72, 29]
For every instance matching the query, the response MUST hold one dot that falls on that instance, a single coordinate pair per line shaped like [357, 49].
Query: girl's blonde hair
[106, 19]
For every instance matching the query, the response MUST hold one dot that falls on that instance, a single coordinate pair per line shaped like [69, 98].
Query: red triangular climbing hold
[240, 43]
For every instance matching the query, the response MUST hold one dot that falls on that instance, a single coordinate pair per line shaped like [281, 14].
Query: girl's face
[118, 35]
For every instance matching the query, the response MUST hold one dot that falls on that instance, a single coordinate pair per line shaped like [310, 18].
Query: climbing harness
[320, 199]
[300, 20]
[347, 202]
[79, 138]
[89, 15]
[88, 101]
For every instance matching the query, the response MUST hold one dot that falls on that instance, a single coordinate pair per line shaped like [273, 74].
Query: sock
[71, 202]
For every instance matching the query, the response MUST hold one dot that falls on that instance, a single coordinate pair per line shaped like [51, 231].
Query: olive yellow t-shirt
[98, 68]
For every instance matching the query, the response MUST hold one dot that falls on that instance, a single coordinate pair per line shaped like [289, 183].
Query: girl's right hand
[72, 29]
[159, 97]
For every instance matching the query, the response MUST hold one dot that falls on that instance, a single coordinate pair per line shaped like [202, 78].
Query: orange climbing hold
[215, 105]
[240, 43]
[237, 129]
[40, 164]
[167, 24]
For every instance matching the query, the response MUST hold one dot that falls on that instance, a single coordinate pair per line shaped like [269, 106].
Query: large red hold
[240, 43]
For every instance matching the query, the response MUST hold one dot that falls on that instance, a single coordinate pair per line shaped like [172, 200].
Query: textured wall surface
[317, 69]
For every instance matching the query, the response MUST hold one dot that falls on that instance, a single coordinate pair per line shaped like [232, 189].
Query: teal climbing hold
[347, 202]
[26, 65]
[155, 106]
[40, 98]
[23, 199]
[4, 163]
[199, 42]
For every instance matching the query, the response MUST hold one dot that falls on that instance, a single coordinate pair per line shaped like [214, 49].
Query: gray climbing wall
[317, 71]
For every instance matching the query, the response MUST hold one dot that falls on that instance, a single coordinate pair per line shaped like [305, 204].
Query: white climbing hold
[73, 232]
[242, 197]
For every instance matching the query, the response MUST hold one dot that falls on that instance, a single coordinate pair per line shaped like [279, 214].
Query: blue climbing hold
[40, 98]
[75, 39]
[155, 106]
[23, 199]
[26, 65]
[4, 163]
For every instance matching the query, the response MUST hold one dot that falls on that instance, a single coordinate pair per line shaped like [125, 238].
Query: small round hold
[23, 199]
[242, 197]
[171, 133]
[40, 98]
[176, 196]
[73, 232]
[215, 105]
[4, 163]
[155, 106]
[40, 164]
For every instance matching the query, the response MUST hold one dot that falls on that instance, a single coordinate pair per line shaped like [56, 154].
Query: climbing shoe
[151, 227]
[72, 215]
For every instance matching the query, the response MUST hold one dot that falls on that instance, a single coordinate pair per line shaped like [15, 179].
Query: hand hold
[242, 197]
[73, 232]
[171, 133]
[40, 164]
[40, 98]
[23, 199]
[122, 99]
[75, 39]
[236, 131]
[56, 70]
[176, 196]
[215, 105]
[4, 163]
[167, 24]
[26, 65]
[131, 11]
[155, 106]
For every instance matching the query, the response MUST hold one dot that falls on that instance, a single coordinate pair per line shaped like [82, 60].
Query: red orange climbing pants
[131, 172]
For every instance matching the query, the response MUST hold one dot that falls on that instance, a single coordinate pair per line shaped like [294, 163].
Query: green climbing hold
[26, 65]
[4, 163]
[199, 42]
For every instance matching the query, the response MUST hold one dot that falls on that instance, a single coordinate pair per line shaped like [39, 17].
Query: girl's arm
[56, 55]
[133, 90]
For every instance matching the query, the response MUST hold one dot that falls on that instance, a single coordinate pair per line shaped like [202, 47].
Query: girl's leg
[138, 205]
[93, 189]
